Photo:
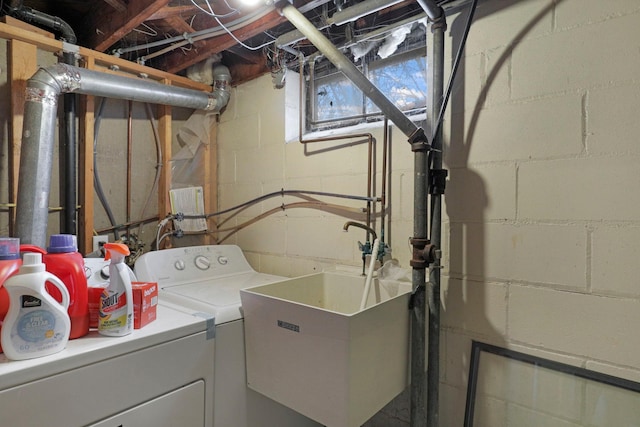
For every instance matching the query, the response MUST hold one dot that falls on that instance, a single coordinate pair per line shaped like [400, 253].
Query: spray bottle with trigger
[116, 301]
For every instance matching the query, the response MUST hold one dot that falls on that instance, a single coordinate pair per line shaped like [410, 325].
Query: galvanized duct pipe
[68, 185]
[38, 136]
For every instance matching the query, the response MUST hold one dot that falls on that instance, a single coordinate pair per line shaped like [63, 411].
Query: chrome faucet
[366, 247]
[359, 225]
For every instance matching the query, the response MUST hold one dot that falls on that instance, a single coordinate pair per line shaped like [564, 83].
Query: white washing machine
[101, 381]
[206, 281]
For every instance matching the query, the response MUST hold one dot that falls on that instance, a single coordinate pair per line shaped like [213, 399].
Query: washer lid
[215, 297]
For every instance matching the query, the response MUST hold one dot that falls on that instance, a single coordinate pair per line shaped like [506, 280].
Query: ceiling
[173, 35]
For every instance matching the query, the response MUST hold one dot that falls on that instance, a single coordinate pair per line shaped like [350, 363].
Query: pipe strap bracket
[437, 181]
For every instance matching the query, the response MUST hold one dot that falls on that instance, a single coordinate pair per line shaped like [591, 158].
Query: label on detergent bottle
[35, 328]
[113, 311]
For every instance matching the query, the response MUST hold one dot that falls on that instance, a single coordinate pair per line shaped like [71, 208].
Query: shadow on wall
[466, 290]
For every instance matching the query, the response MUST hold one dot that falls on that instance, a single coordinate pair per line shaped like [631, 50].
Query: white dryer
[206, 281]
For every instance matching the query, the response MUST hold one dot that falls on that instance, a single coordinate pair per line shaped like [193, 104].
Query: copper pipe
[368, 136]
[383, 196]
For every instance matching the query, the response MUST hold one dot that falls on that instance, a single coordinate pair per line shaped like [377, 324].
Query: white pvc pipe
[367, 283]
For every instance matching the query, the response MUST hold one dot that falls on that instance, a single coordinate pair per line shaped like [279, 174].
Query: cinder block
[401, 194]
[478, 307]
[554, 254]
[496, 83]
[452, 402]
[612, 120]
[503, 22]
[259, 165]
[536, 129]
[226, 166]
[588, 326]
[324, 160]
[457, 359]
[580, 58]
[564, 189]
[616, 371]
[241, 134]
[265, 236]
[481, 193]
[230, 195]
[305, 238]
[573, 13]
[615, 253]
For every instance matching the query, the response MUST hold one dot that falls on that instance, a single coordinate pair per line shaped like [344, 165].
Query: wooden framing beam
[177, 60]
[86, 119]
[22, 53]
[108, 25]
[169, 11]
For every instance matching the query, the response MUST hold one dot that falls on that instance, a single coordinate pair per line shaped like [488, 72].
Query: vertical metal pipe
[418, 277]
[68, 153]
[433, 359]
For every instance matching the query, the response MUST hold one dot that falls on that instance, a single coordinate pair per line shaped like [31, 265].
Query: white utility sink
[311, 348]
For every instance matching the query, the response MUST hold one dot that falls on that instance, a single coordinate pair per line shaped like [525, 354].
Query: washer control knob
[179, 265]
[223, 260]
[202, 262]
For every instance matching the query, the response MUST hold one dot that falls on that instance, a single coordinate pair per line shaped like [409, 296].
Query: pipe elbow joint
[60, 78]
[221, 94]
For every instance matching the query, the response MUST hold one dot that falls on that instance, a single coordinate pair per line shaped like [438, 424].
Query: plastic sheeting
[187, 165]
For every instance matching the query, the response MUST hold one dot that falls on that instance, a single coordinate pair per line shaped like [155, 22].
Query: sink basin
[311, 348]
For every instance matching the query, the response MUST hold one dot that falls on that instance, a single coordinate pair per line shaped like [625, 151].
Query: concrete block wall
[542, 210]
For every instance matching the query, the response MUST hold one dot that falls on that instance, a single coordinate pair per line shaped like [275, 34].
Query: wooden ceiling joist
[177, 60]
[169, 11]
[109, 25]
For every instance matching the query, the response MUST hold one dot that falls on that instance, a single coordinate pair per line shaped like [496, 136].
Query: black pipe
[68, 146]
[68, 156]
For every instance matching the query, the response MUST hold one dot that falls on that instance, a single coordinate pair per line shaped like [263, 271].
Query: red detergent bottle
[9, 264]
[63, 260]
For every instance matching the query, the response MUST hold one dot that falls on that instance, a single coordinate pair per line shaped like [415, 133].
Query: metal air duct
[38, 136]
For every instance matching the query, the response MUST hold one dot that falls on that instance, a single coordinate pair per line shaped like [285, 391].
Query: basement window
[333, 101]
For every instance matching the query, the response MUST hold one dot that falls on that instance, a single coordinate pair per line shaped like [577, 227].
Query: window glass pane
[403, 82]
[336, 98]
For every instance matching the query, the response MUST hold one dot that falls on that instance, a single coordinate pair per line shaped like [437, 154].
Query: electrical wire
[211, 32]
[238, 40]
[212, 13]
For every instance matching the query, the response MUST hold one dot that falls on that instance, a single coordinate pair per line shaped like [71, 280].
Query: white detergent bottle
[36, 324]
[116, 301]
